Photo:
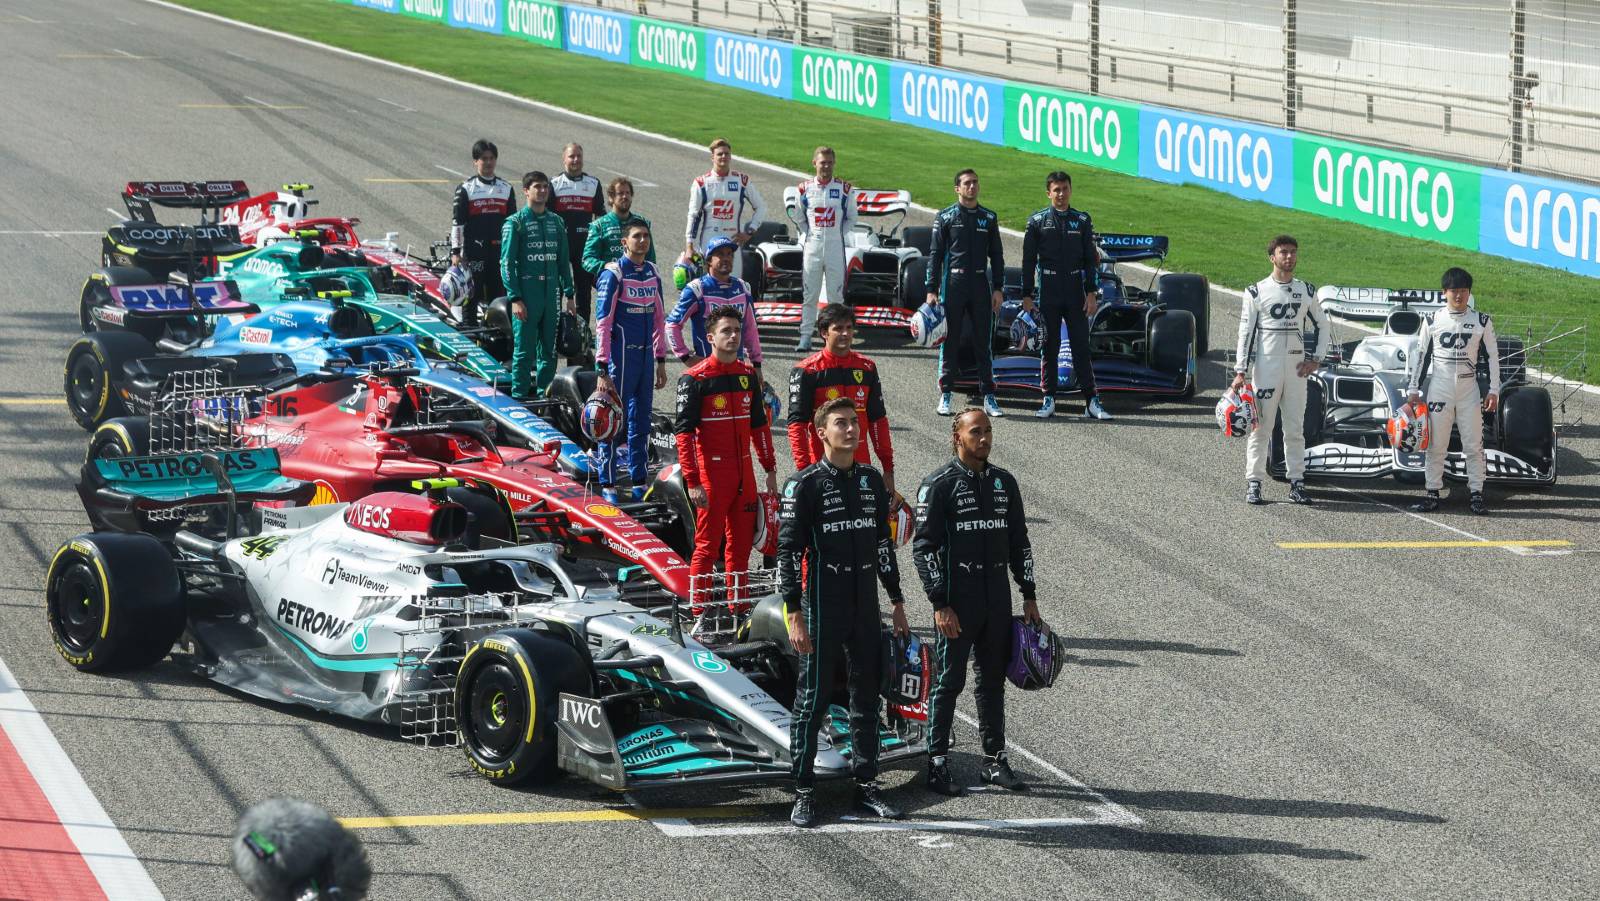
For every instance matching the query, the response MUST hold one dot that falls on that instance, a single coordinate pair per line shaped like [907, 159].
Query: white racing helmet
[1236, 412]
[928, 325]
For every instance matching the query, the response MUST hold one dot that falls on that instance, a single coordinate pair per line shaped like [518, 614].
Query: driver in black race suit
[834, 539]
[480, 208]
[577, 198]
[970, 527]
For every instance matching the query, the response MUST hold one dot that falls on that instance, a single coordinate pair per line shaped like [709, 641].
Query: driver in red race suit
[837, 371]
[576, 197]
[720, 417]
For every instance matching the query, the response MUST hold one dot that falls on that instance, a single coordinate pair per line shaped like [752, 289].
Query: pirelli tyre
[782, 665]
[1527, 428]
[94, 365]
[124, 436]
[753, 269]
[508, 694]
[1191, 293]
[114, 601]
[913, 284]
[920, 237]
[1172, 343]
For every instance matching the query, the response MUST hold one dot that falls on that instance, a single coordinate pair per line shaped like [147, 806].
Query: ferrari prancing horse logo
[860, 376]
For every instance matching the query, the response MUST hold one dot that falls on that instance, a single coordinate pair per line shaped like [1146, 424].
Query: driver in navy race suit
[480, 207]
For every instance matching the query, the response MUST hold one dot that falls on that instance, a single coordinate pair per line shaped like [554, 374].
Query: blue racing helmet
[907, 669]
[1026, 337]
[928, 325]
[716, 244]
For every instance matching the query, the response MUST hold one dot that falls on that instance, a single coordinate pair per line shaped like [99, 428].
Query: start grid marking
[1093, 809]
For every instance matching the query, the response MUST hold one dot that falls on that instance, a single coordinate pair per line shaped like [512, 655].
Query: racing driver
[480, 208]
[1272, 332]
[717, 202]
[832, 541]
[720, 417]
[1452, 339]
[827, 212]
[970, 526]
[537, 272]
[717, 288]
[966, 270]
[575, 196]
[604, 244]
[830, 374]
[1058, 245]
[629, 326]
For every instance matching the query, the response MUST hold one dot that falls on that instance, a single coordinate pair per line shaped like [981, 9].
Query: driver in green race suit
[537, 271]
[605, 234]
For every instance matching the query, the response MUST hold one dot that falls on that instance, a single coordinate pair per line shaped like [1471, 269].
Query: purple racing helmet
[1037, 655]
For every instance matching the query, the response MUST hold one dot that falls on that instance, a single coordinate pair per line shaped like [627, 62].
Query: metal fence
[1507, 83]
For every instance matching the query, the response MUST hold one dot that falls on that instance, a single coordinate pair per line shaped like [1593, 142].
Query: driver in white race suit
[827, 213]
[1451, 341]
[717, 204]
[1272, 333]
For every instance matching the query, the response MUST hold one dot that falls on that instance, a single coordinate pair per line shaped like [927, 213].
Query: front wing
[1349, 461]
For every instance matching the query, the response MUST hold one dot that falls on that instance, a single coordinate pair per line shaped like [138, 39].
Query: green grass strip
[1215, 234]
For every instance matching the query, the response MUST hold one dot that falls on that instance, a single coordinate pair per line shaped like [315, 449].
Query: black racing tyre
[1172, 340]
[920, 237]
[753, 269]
[94, 363]
[1527, 426]
[124, 436]
[1185, 291]
[508, 693]
[1316, 412]
[913, 283]
[487, 516]
[769, 232]
[114, 601]
[767, 623]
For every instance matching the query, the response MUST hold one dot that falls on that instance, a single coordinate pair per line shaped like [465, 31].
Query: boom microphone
[290, 850]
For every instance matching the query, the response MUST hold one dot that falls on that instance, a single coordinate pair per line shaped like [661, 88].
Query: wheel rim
[108, 449]
[497, 713]
[79, 611]
[87, 386]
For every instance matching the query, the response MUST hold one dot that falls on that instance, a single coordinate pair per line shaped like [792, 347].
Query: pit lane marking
[1362, 545]
[544, 817]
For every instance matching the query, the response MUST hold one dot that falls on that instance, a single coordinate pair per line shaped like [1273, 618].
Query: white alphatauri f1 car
[387, 610]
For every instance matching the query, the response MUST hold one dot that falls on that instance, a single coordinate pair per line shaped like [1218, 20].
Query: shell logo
[603, 510]
[833, 394]
[720, 402]
[324, 494]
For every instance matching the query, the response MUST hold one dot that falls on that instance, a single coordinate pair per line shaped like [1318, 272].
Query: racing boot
[1297, 492]
[997, 772]
[609, 492]
[992, 407]
[1047, 409]
[639, 492]
[1252, 493]
[1428, 504]
[1477, 505]
[944, 404]
[804, 814]
[940, 781]
[1093, 410]
[870, 799]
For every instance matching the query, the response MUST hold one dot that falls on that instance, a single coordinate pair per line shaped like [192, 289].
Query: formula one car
[387, 610]
[1143, 342]
[355, 433]
[1349, 404]
[885, 267]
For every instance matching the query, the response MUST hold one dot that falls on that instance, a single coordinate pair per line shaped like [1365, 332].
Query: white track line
[449, 170]
[113, 863]
[1519, 551]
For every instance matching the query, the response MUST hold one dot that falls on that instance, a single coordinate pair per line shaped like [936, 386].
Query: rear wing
[140, 196]
[1375, 304]
[203, 298]
[1119, 248]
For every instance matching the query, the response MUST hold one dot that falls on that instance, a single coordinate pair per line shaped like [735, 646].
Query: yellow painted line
[33, 401]
[267, 106]
[1361, 545]
[409, 181]
[546, 817]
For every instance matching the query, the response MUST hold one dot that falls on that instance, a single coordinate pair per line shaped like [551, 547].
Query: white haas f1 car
[1349, 404]
[885, 267]
[380, 610]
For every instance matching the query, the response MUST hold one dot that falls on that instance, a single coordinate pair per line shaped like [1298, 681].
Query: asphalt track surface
[1238, 720]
